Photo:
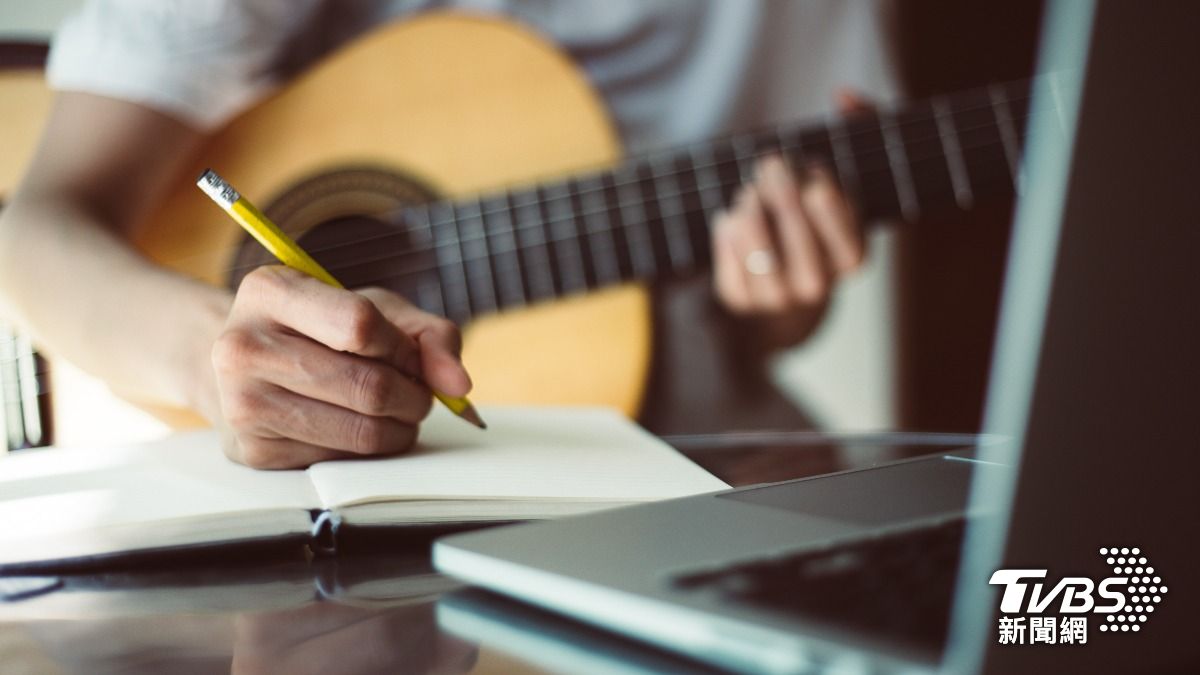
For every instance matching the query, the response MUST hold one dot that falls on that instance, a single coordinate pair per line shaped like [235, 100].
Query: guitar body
[458, 104]
[463, 104]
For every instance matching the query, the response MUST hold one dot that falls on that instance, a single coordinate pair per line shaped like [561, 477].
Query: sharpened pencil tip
[469, 414]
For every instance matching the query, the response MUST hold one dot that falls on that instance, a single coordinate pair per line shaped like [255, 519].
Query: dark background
[951, 267]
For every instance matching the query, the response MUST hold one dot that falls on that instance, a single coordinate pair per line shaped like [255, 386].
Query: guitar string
[881, 175]
[881, 168]
[540, 224]
[866, 153]
[546, 243]
[42, 387]
[638, 183]
[40, 374]
[466, 308]
[1025, 85]
[458, 282]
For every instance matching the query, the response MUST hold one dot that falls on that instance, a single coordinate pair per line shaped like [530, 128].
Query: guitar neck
[648, 218]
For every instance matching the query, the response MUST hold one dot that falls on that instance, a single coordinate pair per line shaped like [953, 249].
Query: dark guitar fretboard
[649, 217]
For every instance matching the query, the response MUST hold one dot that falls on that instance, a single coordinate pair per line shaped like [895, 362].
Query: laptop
[1067, 548]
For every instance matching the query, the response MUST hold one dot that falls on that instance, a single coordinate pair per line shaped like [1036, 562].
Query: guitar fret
[708, 181]
[963, 194]
[926, 159]
[856, 153]
[679, 243]
[476, 256]
[560, 218]
[877, 183]
[522, 256]
[789, 147]
[583, 243]
[842, 156]
[901, 174]
[533, 247]
[619, 232]
[695, 214]
[980, 140]
[460, 258]
[598, 228]
[728, 171]
[651, 216]
[451, 266]
[633, 218]
[1008, 131]
[654, 222]
[814, 147]
[430, 295]
[506, 255]
[745, 153]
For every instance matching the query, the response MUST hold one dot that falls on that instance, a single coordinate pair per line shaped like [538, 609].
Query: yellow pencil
[289, 253]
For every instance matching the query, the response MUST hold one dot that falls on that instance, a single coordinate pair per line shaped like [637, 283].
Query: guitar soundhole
[350, 220]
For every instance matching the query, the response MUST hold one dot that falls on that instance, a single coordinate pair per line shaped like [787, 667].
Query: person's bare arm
[68, 273]
[286, 390]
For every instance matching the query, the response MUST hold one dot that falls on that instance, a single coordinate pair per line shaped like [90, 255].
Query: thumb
[439, 344]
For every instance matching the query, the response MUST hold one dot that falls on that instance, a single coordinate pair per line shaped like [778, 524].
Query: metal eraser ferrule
[216, 188]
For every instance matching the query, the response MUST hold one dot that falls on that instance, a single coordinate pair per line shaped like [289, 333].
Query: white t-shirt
[671, 72]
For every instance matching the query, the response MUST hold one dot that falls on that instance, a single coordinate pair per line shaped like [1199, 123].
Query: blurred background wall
[32, 18]
[950, 268]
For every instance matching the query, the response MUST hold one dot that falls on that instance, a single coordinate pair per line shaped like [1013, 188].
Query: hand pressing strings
[789, 235]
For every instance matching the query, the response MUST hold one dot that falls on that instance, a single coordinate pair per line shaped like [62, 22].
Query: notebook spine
[323, 539]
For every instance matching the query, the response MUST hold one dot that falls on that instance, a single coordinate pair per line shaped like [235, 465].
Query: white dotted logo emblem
[1144, 592]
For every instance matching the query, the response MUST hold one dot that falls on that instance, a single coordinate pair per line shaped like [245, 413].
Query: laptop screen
[1094, 374]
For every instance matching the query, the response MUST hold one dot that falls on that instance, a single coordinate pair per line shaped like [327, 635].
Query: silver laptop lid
[1095, 373]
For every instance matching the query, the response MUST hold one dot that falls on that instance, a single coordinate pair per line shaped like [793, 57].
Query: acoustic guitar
[466, 163]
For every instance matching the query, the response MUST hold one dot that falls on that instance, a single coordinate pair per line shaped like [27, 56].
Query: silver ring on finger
[759, 262]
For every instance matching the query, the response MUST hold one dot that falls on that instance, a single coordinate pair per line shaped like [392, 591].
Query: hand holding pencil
[308, 371]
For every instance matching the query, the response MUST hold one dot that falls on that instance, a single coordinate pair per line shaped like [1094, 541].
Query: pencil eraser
[215, 187]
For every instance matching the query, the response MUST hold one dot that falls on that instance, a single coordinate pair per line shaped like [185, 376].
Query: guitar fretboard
[648, 218]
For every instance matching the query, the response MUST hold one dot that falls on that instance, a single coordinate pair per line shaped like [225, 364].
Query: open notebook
[81, 503]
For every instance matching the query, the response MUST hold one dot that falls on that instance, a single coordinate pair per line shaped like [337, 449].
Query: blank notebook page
[64, 502]
[552, 453]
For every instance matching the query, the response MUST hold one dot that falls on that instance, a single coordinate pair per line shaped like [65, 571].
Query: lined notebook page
[545, 453]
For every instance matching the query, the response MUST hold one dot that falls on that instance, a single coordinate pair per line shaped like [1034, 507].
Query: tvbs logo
[1125, 599]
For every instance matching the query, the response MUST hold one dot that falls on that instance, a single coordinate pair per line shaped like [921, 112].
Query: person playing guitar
[296, 372]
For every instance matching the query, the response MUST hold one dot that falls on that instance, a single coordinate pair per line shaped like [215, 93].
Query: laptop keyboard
[895, 586]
